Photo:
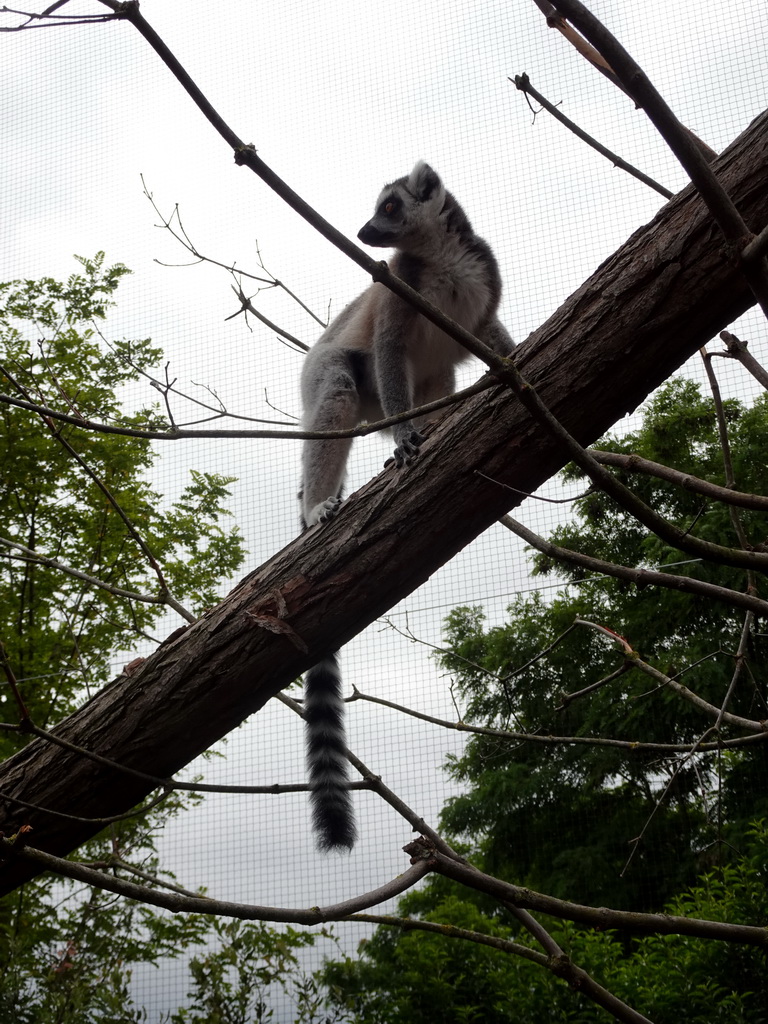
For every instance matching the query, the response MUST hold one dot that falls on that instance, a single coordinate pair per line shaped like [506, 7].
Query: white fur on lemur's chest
[456, 281]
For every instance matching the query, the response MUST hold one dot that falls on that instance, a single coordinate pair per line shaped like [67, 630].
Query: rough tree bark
[663, 294]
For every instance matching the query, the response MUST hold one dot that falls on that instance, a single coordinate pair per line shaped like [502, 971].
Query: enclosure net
[338, 99]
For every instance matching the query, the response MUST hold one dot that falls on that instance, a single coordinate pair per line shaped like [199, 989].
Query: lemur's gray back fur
[380, 357]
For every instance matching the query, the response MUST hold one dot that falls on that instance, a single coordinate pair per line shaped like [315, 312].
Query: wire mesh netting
[338, 98]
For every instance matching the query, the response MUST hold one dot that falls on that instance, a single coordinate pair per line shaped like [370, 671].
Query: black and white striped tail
[332, 813]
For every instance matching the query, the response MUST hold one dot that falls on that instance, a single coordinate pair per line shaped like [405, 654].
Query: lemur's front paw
[407, 450]
[324, 511]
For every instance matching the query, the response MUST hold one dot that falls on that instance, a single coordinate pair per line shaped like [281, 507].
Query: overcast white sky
[338, 98]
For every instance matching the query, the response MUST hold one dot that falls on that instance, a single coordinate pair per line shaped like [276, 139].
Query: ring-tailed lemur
[380, 357]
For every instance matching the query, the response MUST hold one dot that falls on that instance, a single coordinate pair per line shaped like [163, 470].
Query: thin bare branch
[247, 306]
[685, 146]
[757, 248]
[598, 60]
[535, 928]
[610, 633]
[738, 350]
[522, 82]
[407, 924]
[270, 281]
[381, 789]
[640, 577]
[717, 714]
[52, 20]
[155, 881]
[409, 635]
[722, 429]
[33, 557]
[569, 698]
[593, 917]
[580, 44]
[167, 387]
[740, 659]
[181, 434]
[547, 739]
[171, 784]
[636, 464]
[137, 812]
[534, 497]
[13, 683]
[659, 802]
[177, 903]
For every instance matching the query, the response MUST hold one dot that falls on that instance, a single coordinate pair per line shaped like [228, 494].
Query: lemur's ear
[423, 182]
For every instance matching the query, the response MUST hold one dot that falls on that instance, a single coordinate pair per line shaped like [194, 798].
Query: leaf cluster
[84, 498]
[410, 975]
[233, 984]
[566, 817]
[66, 953]
[626, 826]
[87, 501]
[406, 976]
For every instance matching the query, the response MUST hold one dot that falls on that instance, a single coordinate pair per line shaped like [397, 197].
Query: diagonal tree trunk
[662, 295]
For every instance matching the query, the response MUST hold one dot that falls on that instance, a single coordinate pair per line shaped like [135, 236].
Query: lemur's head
[407, 211]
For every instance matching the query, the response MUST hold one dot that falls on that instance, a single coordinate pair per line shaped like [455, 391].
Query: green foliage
[232, 985]
[414, 977]
[626, 826]
[59, 633]
[65, 953]
[423, 977]
[714, 981]
[567, 818]
[674, 977]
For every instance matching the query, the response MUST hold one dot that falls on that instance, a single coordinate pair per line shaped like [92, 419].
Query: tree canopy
[74, 500]
[86, 501]
[632, 812]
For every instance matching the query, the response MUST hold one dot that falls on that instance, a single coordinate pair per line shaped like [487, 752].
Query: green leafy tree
[66, 954]
[566, 820]
[235, 983]
[83, 499]
[421, 977]
[630, 827]
[411, 977]
[707, 981]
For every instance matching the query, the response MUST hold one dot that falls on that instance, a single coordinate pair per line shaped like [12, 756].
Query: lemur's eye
[389, 207]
